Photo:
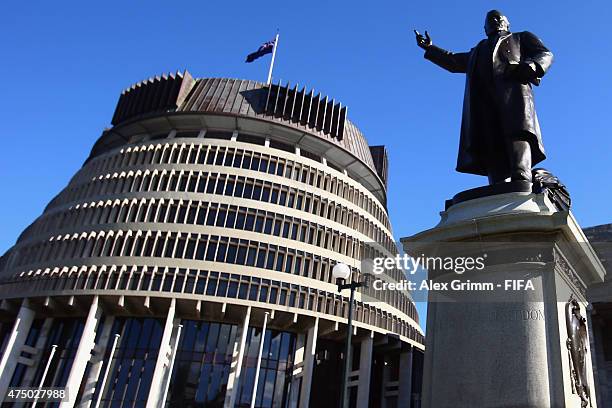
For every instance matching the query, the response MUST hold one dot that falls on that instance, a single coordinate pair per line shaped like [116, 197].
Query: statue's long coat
[514, 102]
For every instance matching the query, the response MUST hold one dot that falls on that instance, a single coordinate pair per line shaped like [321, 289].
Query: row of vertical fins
[306, 108]
[156, 94]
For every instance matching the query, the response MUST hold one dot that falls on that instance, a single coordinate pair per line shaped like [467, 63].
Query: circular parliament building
[188, 262]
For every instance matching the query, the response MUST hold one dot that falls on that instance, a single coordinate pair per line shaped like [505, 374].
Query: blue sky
[64, 65]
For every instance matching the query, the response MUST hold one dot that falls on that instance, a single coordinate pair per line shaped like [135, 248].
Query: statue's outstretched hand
[423, 42]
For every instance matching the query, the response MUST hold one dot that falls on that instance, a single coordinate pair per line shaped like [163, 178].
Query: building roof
[287, 105]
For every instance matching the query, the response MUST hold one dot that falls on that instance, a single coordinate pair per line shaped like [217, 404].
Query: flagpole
[272, 61]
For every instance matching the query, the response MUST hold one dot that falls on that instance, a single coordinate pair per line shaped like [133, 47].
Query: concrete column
[155, 392]
[16, 340]
[176, 337]
[309, 363]
[365, 372]
[386, 379]
[405, 379]
[83, 354]
[39, 345]
[96, 363]
[233, 380]
[298, 364]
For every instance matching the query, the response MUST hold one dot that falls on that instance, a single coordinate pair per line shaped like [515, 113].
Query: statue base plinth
[490, 190]
[505, 347]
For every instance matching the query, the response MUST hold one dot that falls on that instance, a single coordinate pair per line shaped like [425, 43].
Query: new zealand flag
[266, 48]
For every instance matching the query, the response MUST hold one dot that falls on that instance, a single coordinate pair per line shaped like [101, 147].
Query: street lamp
[341, 273]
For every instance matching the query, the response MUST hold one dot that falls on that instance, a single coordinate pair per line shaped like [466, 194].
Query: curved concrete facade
[197, 222]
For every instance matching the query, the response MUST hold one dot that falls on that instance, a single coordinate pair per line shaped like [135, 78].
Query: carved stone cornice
[562, 265]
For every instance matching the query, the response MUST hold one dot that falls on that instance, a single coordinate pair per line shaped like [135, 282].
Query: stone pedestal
[491, 343]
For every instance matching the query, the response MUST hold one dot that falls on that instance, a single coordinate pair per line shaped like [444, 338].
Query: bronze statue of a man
[500, 134]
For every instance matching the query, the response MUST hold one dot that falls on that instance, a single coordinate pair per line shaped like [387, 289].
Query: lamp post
[342, 272]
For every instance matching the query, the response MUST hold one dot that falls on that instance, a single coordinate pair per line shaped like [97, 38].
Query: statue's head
[496, 22]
